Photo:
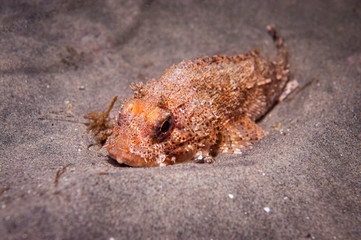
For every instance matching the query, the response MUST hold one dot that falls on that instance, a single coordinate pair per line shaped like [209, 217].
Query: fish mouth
[125, 157]
[117, 147]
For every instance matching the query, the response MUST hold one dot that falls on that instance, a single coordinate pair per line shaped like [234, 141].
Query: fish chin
[118, 148]
[125, 150]
[124, 157]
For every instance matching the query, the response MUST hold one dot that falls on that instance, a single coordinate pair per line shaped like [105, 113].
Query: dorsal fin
[237, 136]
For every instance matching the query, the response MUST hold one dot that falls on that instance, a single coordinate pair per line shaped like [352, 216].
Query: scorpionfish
[199, 108]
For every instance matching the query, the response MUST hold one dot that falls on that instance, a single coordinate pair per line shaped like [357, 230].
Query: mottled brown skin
[199, 108]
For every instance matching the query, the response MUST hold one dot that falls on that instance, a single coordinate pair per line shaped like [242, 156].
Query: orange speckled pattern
[199, 108]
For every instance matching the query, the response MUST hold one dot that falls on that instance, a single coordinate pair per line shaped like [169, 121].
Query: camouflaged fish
[199, 108]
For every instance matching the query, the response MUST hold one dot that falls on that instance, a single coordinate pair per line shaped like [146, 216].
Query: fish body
[199, 108]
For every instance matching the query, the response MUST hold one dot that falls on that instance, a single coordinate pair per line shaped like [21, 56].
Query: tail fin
[280, 44]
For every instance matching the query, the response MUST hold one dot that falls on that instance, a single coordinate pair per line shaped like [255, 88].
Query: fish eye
[163, 127]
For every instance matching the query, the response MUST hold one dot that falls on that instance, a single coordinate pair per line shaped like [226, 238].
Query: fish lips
[125, 157]
[117, 150]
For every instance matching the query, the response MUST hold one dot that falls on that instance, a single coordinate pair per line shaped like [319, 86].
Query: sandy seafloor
[62, 59]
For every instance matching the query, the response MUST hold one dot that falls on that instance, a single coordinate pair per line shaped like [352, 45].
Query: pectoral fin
[237, 136]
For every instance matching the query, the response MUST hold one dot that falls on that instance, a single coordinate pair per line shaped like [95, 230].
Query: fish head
[144, 135]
